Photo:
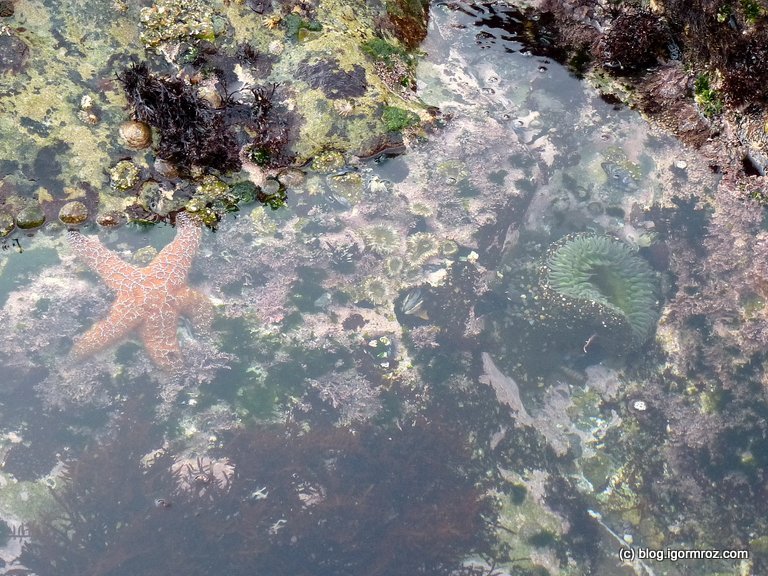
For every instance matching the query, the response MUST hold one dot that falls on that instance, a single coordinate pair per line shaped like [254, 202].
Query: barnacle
[602, 281]
[344, 108]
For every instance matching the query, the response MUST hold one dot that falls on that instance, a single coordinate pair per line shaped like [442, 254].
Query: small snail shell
[137, 135]
[211, 95]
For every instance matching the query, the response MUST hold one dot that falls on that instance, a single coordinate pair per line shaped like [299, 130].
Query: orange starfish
[149, 300]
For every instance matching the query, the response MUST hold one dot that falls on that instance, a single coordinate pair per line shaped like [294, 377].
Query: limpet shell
[135, 134]
[31, 216]
[73, 213]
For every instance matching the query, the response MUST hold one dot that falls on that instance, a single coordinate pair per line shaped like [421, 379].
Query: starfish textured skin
[149, 300]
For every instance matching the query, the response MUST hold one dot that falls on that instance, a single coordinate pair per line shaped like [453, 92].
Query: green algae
[707, 98]
[396, 119]
[380, 49]
[24, 500]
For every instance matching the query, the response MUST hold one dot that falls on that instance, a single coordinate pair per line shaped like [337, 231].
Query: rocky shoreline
[696, 69]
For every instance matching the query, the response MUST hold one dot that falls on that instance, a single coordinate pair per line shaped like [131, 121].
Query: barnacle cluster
[173, 20]
[603, 288]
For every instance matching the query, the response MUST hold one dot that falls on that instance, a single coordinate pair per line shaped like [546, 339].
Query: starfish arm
[171, 265]
[196, 306]
[158, 334]
[122, 319]
[114, 271]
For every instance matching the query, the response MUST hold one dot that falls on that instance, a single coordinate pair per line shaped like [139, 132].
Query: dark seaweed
[192, 133]
[329, 500]
[634, 43]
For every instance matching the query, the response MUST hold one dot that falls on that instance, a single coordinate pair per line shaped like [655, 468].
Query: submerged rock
[6, 224]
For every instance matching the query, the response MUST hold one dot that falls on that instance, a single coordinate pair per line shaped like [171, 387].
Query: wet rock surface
[686, 46]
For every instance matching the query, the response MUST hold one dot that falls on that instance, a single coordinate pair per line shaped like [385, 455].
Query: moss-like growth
[396, 119]
[409, 20]
[380, 49]
[707, 98]
[634, 42]
[745, 72]
[295, 24]
[752, 10]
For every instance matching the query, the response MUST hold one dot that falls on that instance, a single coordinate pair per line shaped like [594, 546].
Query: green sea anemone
[375, 291]
[380, 239]
[420, 247]
[602, 282]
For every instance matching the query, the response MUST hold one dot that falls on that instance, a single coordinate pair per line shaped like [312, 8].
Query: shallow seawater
[377, 392]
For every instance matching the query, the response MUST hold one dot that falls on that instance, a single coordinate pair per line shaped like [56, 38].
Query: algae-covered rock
[290, 83]
[176, 20]
[6, 224]
[124, 175]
